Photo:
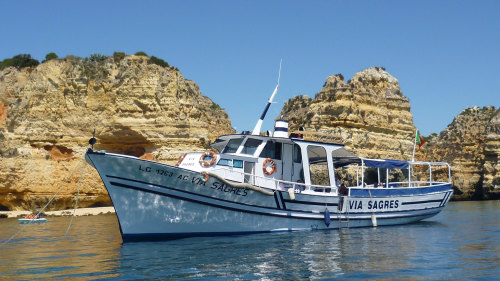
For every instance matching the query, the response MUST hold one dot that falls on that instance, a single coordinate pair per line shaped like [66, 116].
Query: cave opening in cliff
[4, 208]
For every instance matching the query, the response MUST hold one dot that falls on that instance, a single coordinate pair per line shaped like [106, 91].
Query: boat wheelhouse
[309, 167]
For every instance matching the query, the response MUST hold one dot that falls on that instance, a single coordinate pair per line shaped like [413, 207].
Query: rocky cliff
[471, 144]
[48, 113]
[369, 114]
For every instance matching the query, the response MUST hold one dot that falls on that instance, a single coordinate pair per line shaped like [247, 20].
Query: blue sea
[461, 243]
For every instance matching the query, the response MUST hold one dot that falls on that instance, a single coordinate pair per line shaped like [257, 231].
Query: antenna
[256, 130]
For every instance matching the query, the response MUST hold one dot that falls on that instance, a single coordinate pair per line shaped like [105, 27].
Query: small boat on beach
[32, 218]
[257, 183]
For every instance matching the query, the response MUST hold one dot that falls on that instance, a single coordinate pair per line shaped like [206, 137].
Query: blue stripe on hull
[385, 192]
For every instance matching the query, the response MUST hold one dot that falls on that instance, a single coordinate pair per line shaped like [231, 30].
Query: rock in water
[471, 144]
[371, 116]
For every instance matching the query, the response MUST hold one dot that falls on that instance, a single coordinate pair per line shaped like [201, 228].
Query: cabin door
[287, 157]
[249, 172]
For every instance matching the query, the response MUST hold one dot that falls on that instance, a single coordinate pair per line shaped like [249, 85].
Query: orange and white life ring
[269, 167]
[179, 161]
[205, 163]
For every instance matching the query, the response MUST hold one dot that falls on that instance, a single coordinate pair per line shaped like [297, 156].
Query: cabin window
[297, 154]
[238, 163]
[225, 162]
[318, 165]
[232, 145]
[250, 146]
[271, 150]
[230, 163]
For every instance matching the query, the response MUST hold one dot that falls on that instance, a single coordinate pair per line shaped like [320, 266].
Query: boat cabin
[280, 162]
[273, 162]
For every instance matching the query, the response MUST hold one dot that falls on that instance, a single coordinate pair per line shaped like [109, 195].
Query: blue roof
[386, 163]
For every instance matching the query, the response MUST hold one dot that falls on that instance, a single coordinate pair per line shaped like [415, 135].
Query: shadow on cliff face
[478, 189]
[123, 140]
[456, 191]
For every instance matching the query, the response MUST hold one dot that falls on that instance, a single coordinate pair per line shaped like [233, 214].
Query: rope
[239, 185]
[50, 201]
[76, 202]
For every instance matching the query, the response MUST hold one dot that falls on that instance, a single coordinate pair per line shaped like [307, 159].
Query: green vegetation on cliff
[19, 61]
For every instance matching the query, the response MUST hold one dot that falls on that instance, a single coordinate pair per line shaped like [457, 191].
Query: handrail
[278, 182]
[401, 184]
[409, 182]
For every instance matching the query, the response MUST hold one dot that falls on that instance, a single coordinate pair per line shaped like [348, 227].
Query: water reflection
[439, 249]
[39, 251]
[295, 255]
[461, 243]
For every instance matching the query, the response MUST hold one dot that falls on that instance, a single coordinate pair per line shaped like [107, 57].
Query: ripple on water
[463, 242]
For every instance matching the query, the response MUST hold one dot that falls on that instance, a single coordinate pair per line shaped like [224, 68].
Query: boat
[32, 218]
[253, 183]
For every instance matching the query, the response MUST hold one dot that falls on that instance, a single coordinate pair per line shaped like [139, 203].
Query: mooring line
[50, 201]
[76, 203]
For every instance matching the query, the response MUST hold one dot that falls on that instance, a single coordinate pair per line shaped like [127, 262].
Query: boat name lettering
[383, 204]
[194, 179]
[164, 173]
[222, 187]
[145, 169]
[380, 204]
[355, 205]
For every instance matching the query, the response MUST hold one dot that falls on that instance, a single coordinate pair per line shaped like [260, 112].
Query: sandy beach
[78, 212]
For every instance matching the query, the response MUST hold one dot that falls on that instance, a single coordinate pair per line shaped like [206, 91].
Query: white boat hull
[32, 221]
[156, 201]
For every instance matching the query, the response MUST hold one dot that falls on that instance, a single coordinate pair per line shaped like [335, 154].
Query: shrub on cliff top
[214, 106]
[141, 53]
[97, 57]
[118, 56]
[19, 61]
[50, 56]
[158, 61]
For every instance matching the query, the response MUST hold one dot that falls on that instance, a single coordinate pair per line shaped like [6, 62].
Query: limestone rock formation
[369, 114]
[48, 113]
[491, 183]
[471, 144]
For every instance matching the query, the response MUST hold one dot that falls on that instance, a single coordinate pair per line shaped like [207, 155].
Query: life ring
[205, 163]
[179, 161]
[271, 164]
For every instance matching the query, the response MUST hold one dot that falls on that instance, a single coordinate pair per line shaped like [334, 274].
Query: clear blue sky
[445, 54]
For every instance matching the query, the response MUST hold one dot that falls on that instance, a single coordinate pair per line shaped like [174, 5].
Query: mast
[256, 130]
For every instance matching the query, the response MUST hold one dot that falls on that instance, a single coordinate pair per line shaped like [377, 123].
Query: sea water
[462, 242]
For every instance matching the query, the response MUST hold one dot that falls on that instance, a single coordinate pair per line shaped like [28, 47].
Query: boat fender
[265, 167]
[179, 161]
[327, 217]
[206, 163]
[374, 220]
[206, 176]
[291, 192]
